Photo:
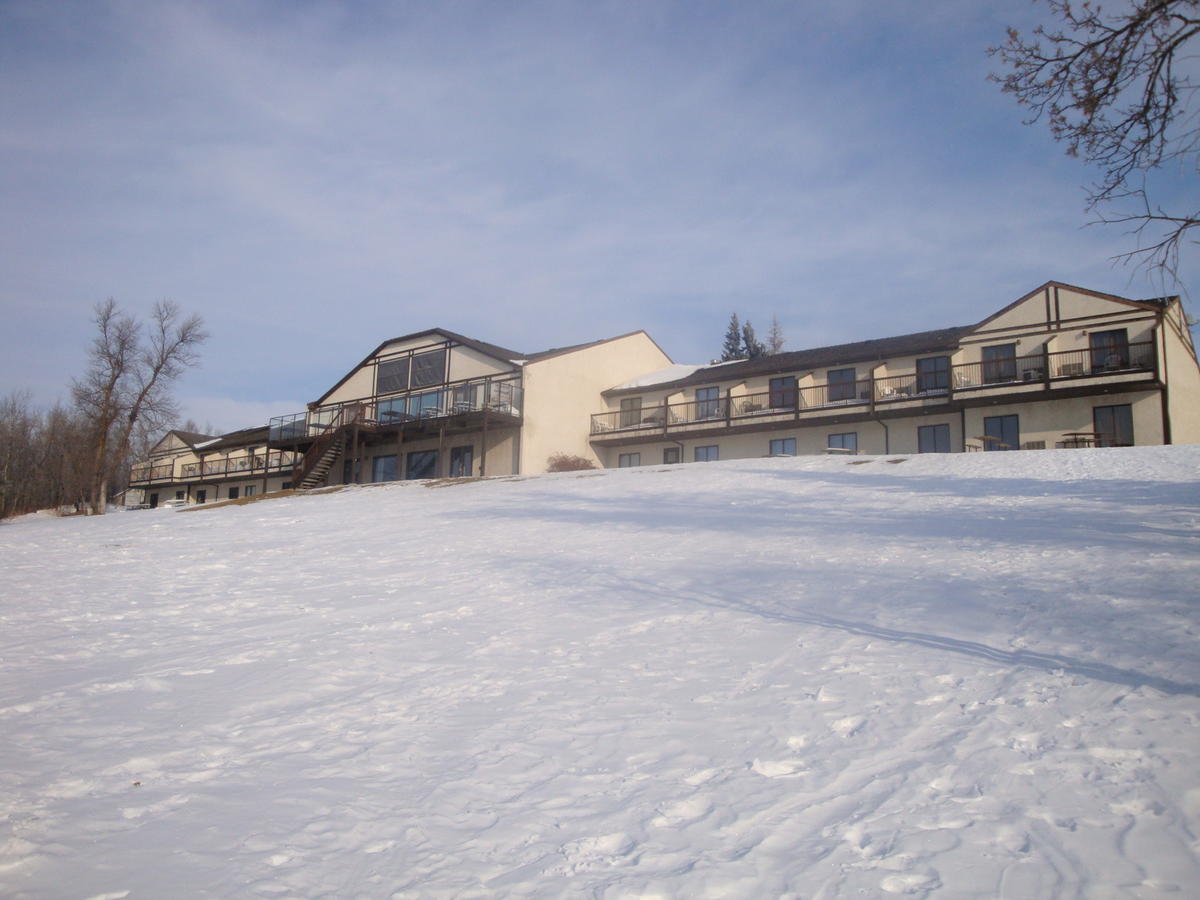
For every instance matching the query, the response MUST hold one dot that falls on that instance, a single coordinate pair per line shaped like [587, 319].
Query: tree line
[78, 455]
[742, 343]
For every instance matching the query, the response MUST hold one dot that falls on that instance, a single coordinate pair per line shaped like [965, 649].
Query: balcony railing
[792, 402]
[144, 473]
[275, 461]
[414, 406]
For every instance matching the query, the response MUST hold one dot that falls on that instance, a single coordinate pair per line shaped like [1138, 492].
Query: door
[462, 461]
[1001, 433]
[1110, 350]
[1113, 425]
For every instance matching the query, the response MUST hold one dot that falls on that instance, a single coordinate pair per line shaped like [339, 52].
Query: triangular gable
[1043, 304]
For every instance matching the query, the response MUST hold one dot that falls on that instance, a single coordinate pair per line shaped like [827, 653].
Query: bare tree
[775, 338]
[128, 382]
[1117, 89]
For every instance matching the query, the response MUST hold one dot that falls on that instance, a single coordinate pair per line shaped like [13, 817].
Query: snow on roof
[671, 373]
[208, 443]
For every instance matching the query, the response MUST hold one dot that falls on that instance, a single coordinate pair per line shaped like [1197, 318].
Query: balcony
[151, 473]
[274, 462]
[1014, 375]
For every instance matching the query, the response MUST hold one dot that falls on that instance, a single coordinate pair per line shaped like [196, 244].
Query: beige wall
[1182, 376]
[562, 392]
[501, 453]
[1049, 420]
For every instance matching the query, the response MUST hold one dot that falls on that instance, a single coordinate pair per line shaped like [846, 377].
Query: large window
[629, 460]
[933, 439]
[670, 455]
[422, 464]
[841, 384]
[933, 374]
[1113, 425]
[706, 454]
[383, 468]
[847, 441]
[234, 493]
[783, 392]
[394, 411]
[1110, 349]
[428, 368]
[708, 403]
[631, 411]
[462, 461]
[999, 363]
[392, 375]
[783, 446]
[1001, 433]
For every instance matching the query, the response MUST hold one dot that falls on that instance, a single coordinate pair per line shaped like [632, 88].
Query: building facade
[1060, 367]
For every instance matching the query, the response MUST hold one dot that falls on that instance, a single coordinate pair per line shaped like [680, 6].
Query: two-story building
[1061, 367]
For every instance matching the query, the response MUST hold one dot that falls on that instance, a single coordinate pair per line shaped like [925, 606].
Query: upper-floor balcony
[415, 409]
[243, 465]
[1013, 375]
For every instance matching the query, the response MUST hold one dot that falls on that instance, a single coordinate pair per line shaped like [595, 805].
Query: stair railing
[343, 419]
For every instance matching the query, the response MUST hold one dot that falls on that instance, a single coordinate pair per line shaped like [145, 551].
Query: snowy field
[954, 676]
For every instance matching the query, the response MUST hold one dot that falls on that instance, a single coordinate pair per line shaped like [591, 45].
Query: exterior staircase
[317, 461]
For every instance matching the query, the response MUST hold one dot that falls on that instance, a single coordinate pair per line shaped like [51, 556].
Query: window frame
[1126, 409]
[935, 433]
[998, 428]
[708, 407]
[837, 441]
[629, 460]
[783, 392]
[422, 461]
[711, 453]
[841, 384]
[936, 378]
[772, 450]
[999, 363]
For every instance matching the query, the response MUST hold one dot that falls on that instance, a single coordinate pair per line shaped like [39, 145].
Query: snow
[957, 676]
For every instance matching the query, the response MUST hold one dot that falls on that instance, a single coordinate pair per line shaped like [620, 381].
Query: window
[249, 491]
[179, 495]
[708, 403]
[154, 501]
[422, 464]
[393, 411]
[783, 446]
[933, 439]
[391, 376]
[428, 368]
[999, 363]
[1001, 433]
[848, 441]
[233, 493]
[201, 495]
[629, 460]
[841, 384]
[1113, 425]
[670, 455]
[383, 468]
[631, 411]
[286, 486]
[783, 392]
[426, 405]
[706, 454]
[350, 476]
[1110, 350]
[933, 374]
[462, 462]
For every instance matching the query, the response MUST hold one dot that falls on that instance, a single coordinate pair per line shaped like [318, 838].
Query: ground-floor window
[153, 501]
[286, 486]
[847, 441]
[1113, 425]
[383, 468]
[201, 495]
[933, 439]
[629, 460]
[709, 453]
[351, 470]
[250, 490]
[783, 446]
[1001, 433]
[422, 464]
[234, 493]
[670, 455]
[179, 495]
[462, 461]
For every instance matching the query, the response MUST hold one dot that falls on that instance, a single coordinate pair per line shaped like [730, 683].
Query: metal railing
[143, 473]
[1060, 364]
[257, 464]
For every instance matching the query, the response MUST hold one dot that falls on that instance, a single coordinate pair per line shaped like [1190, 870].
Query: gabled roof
[560, 351]
[188, 438]
[1155, 303]
[818, 358]
[493, 350]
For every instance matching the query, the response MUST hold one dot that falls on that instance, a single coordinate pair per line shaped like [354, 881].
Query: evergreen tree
[733, 340]
[775, 338]
[752, 348]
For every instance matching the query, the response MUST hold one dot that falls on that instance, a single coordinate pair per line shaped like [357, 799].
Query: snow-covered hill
[965, 676]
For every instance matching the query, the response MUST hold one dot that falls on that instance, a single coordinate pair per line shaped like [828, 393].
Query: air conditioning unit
[1034, 445]
[1071, 369]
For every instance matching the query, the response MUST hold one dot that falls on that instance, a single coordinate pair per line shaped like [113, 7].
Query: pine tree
[733, 340]
[752, 348]
[775, 338]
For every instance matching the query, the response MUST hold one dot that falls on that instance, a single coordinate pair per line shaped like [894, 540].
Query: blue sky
[316, 177]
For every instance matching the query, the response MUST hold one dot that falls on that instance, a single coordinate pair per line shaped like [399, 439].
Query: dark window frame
[933, 438]
[391, 375]
[629, 460]
[420, 464]
[999, 363]
[998, 427]
[933, 374]
[710, 453]
[783, 392]
[838, 441]
[781, 450]
[842, 384]
[1115, 433]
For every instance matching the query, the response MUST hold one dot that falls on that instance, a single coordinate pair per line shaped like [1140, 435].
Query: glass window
[629, 460]
[179, 495]
[422, 464]
[428, 368]
[391, 375]
[631, 411]
[1000, 363]
[670, 455]
[1113, 425]
[1110, 349]
[706, 454]
[201, 495]
[933, 374]
[708, 403]
[783, 392]
[250, 490]
[394, 411]
[933, 439]
[1001, 433]
[783, 446]
[846, 441]
[841, 384]
[233, 493]
[462, 462]
[154, 501]
[383, 468]
[426, 405]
